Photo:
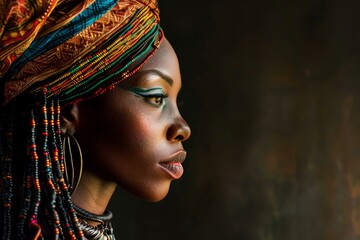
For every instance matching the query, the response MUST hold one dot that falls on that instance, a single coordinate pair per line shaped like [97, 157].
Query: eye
[154, 96]
[156, 100]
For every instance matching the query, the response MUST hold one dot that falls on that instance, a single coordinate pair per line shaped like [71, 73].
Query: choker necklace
[102, 231]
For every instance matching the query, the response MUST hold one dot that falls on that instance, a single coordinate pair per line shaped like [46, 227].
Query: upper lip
[177, 157]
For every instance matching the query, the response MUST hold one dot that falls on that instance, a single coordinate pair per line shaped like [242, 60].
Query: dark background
[271, 91]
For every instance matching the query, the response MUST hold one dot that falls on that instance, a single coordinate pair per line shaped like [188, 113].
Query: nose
[179, 130]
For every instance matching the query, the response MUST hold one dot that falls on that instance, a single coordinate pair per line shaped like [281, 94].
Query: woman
[84, 80]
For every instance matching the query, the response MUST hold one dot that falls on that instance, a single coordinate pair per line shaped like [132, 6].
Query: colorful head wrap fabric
[73, 49]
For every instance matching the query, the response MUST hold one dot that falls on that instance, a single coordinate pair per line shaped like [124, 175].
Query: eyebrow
[163, 76]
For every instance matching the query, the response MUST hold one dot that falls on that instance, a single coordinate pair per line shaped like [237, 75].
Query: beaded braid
[6, 151]
[59, 211]
[44, 198]
[64, 204]
[49, 185]
[30, 188]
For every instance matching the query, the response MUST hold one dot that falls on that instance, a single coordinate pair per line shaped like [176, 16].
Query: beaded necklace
[102, 231]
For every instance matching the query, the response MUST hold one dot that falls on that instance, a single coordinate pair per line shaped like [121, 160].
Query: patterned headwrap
[73, 49]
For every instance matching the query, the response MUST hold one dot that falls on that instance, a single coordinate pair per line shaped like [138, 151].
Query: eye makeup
[154, 96]
[145, 92]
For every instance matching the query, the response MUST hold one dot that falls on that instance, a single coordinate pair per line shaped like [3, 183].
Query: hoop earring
[72, 181]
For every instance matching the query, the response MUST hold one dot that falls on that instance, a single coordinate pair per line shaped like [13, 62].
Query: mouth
[173, 166]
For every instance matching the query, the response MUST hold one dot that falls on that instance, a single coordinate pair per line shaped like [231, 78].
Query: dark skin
[125, 135]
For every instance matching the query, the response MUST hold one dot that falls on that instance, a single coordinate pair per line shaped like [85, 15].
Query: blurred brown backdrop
[271, 91]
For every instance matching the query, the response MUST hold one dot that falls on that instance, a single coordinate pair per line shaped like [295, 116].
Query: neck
[93, 193]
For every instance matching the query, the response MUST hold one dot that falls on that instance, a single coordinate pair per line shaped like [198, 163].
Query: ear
[69, 119]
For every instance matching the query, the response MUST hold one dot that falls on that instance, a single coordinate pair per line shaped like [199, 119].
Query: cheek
[123, 138]
[131, 130]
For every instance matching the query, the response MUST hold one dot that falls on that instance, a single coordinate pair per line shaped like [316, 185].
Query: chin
[154, 193]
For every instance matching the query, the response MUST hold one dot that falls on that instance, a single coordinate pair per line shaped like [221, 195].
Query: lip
[173, 166]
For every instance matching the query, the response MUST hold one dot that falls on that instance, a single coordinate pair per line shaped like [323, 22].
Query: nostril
[179, 138]
[178, 132]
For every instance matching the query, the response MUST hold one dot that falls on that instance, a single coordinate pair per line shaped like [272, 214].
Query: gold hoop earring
[72, 181]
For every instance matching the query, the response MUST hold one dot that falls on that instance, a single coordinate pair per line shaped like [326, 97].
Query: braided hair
[33, 190]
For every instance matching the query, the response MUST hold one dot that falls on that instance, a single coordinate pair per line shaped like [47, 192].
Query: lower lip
[175, 170]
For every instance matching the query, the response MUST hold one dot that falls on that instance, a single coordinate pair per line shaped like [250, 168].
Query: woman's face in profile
[133, 135]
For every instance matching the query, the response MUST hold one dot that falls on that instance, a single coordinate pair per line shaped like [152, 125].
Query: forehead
[164, 61]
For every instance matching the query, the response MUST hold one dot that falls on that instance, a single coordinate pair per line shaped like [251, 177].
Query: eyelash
[153, 99]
